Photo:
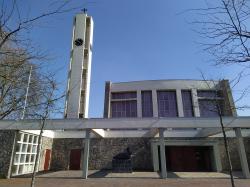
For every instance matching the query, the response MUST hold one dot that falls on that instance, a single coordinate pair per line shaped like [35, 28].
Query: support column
[155, 156]
[162, 154]
[195, 103]
[242, 153]
[155, 105]
[107, 98]
[86, 154]
[217, 160]
[179, 103]
[139, 107]
[12, 155]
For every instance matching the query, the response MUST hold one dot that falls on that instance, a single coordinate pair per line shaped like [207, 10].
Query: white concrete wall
[162, 84]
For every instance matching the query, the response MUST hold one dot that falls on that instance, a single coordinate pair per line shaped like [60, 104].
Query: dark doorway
[47, 159]
[188, 158]
[75, 159]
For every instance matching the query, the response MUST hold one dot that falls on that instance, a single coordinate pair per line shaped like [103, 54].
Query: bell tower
[78, 87]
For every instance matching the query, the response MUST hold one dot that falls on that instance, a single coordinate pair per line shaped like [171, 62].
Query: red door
[47, 159]
[188, 158]
[75, 159]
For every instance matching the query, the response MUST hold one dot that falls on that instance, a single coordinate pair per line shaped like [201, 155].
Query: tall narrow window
[146, 102]
[187, 103]
[167, 106]
[123, 105]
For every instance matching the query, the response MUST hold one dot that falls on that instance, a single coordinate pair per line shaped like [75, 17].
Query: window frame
[123, 100]
[176, 104]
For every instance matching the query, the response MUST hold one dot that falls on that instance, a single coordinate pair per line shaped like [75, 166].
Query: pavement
[74, 174]
[137, 179]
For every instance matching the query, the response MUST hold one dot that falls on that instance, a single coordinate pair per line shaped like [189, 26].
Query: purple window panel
[120, 109]
[124, 95]
[187, 103]
[147, 103]
[167, 106]
[208, 108]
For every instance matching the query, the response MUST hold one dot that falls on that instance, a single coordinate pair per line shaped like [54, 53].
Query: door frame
[215, 155]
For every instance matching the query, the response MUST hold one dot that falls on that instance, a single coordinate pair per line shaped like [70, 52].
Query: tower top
[84, 10]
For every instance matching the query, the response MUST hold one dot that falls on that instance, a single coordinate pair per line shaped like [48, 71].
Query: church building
[167, 125]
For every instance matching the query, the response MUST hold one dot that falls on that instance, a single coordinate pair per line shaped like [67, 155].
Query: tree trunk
[37, 155]
[226, 148]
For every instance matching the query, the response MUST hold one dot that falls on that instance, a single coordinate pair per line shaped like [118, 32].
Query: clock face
[78, 42]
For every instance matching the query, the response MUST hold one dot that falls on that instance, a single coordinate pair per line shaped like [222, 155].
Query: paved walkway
[122, 182]
[152, 175]
[137, 179]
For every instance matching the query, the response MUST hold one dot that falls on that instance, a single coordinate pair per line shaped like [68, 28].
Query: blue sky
[133, 40]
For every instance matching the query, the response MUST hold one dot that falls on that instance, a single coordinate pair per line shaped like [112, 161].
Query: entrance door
[47, 159]
[75, 159]
[188, 158]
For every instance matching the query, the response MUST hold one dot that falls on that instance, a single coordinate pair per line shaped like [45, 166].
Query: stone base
[103, 150]
[7, 140]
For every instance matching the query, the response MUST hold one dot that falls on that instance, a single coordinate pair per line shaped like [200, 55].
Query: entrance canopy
[139, 127]
[132, 127]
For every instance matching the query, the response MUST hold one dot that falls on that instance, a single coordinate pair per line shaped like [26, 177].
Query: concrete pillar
[242, 153]
[228, 98]
[179, 103]
[155, 105]
[12, 155]
[155, 156]
[162, 154]
[195, 103]
[107, 98]
[86, 154]
[139, 107]
[217, 160]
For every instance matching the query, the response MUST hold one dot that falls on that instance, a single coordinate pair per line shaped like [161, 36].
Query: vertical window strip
[147, 104]
[167, 105]
[187, 103]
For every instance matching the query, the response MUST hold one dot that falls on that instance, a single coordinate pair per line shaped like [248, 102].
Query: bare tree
[14, 73]
[16, 32]
[217, 105]
[46, 108]
[225, 27]
[18, 53]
